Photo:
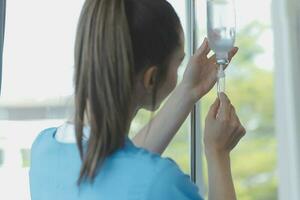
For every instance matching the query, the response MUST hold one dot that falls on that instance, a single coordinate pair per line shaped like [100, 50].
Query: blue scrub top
[131, 173]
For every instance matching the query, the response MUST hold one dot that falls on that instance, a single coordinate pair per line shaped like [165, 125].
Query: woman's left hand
[201, 73]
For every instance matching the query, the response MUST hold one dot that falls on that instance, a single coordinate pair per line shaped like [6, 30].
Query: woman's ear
[150, 77]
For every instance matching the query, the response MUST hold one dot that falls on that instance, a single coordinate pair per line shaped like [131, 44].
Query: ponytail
[104, 70]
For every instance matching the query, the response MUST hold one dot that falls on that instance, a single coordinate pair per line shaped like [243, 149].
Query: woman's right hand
[223, 129]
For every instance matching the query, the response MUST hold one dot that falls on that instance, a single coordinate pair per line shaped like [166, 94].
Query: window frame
[196, 150]
[286, 117]
[286, 25]
[2, 29]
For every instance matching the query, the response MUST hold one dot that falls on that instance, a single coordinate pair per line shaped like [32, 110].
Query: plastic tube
[221, 80]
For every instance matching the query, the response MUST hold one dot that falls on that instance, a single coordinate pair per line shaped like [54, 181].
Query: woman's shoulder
[162, 177]
[170, 182]
[144, 159]
[167, 180]
[43, 142]
[45, 134]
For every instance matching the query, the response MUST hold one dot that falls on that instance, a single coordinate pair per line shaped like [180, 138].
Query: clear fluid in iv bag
[221, 33]
[221, 40]
[221, 26]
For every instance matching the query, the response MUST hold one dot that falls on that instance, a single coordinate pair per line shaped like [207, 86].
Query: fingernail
[223, 95]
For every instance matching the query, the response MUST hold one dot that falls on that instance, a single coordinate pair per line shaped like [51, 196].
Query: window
[250, 88]
[37, 89]
[37, 82]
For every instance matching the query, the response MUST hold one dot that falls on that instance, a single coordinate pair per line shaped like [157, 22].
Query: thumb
[212, 113]
[225, 107]
[203, 49]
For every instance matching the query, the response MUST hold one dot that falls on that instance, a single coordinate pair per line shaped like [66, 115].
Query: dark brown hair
[116, 39]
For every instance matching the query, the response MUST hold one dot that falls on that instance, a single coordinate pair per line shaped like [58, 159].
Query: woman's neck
[133, 111]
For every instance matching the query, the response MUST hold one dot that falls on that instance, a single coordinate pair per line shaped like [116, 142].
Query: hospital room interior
[37, 40]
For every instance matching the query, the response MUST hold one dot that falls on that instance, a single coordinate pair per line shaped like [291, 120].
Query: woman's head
[157, 43]
[126, 56]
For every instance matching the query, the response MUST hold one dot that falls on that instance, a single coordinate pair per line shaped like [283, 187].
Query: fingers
[234, 118]
[237, 137]
[239, 130]
[233, 125]
[231, 54]
[212, 113]
[224, 113]
[204, 49]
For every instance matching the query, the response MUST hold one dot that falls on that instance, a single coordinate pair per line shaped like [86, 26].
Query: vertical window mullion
[2, 25]
[286, 24]
[196, 133]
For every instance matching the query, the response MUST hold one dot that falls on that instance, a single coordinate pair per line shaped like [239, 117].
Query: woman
[126, 57]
